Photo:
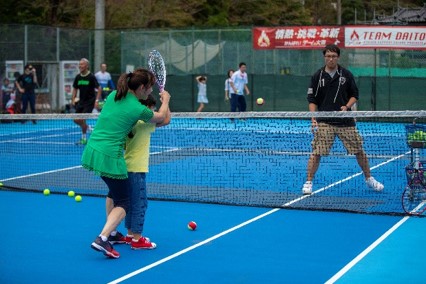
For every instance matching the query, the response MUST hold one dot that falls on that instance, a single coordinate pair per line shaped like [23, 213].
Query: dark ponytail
[132, 81]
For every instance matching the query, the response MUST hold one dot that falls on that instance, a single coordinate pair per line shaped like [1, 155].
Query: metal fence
[388, 79]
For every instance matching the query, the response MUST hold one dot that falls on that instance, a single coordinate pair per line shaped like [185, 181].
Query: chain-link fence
[388, 79]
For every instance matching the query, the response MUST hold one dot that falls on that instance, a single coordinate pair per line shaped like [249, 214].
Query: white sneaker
[307, 187]
[374, 184]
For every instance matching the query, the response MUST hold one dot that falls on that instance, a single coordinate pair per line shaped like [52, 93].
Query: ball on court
[78, 198]
[46, 191]
[192, 226]
[1, 184]
[260, 101]
[71, 193]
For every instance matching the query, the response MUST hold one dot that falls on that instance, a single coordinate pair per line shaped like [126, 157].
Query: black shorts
[84, 108]
[119, 191]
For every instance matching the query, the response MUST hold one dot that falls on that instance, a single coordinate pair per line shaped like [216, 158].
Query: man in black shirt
[85, 82]
[333, 88]
[26, 84]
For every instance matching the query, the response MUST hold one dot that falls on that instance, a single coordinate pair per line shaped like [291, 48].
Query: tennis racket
[157, 66]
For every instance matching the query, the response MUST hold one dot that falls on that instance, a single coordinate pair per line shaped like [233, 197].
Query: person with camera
[26, 85]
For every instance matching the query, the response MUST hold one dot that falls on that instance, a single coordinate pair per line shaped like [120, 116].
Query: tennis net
[248, 159]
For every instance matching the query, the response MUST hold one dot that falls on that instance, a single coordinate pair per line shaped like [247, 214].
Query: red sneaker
[129, 239]
[143, 243]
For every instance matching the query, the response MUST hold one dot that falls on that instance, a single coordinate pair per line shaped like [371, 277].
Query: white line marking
[42, 173]
[170, 257]
[359, 257]
[192, 247]
[74, 167]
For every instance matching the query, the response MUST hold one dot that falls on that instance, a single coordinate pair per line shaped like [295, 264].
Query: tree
[200, 13]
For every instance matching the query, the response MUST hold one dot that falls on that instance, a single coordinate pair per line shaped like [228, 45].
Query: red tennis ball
[192, 225]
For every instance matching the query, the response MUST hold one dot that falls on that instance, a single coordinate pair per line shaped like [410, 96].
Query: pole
[373, 83]
[339, 12]
[99, 34]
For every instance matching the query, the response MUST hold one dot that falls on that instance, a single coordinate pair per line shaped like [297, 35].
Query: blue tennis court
[236, 180]
[46, 239]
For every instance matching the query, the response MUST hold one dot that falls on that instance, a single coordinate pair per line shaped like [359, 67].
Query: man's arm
[35, 76]
[111, 83]
[99, 94]
[98, 88]
[73, 96]
[349, 104]
[247, 89]
[18, 86]
[233, 87]
[314, 124]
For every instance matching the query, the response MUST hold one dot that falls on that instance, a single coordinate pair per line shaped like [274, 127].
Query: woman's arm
[162, 113]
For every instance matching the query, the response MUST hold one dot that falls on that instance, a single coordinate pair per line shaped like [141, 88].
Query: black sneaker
[117, 239]
[105, 247]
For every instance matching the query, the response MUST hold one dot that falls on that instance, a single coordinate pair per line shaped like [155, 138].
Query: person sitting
[11, 104]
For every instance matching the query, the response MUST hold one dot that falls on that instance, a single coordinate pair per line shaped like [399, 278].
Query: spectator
[6, 90]
[105, 81]
[18, 95]
[26, 85]
[202, 92]
[228, 88]
[239, 83]
[85, 83]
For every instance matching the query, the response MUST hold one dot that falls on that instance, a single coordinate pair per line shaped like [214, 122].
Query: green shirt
[103, 153]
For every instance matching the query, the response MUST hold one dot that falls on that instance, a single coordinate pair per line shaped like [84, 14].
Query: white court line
[170, 257]
[127, 276]
[359, 257]
[42, 173]
[24, 140]
[72, 168]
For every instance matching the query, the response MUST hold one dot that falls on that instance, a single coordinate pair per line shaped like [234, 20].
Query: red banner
[303, 37]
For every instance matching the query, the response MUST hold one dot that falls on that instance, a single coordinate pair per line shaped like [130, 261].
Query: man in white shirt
[239, 81]
[105, 81]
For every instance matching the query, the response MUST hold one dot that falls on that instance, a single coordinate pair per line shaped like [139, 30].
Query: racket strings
[157, 66]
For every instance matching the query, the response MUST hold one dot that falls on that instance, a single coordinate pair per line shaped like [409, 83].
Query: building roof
[405, 16]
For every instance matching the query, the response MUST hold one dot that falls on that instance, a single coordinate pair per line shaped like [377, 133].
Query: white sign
[396, 37]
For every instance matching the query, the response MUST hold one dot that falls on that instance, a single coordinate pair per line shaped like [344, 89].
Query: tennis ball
[1, 184]
[46, 191]
[260, 101]
[78, 198]
[192, 226]
[71, 193]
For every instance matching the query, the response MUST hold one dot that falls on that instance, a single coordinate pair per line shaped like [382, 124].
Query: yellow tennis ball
[260, 101]
[46, 191]
[1, 184]
[71, 193]
[78, 198]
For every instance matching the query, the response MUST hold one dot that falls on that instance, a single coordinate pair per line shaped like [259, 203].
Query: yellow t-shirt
[137, 148]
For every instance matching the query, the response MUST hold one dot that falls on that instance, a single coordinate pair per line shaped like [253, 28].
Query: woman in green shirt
[103, 153]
